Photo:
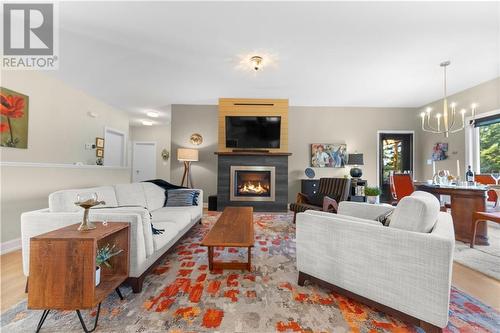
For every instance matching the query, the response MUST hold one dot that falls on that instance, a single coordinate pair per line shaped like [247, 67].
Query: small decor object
[99, 161]
[103, 255]
[355, 159]
[439, 151]
[187, 155]
[87, 201]
[14, 119]
[309, 173]
[99, 142]
[196, 139]
[372, 194]
[99, 152]
[165, 154]
[328, 155]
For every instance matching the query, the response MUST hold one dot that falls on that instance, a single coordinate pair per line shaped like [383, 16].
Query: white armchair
[406, 273]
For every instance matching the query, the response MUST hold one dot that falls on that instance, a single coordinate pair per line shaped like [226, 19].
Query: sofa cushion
[64, 201]
[170, 231]
[417, 213]
[155, 196]
[181, 217]
[194, 212]
[130, 195]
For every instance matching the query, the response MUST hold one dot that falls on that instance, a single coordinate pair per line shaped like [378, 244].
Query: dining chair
[401, 185]
[486, 179]
[482, 217]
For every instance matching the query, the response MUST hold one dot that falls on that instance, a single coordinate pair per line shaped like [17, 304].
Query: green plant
[105, 253]
[372, 191]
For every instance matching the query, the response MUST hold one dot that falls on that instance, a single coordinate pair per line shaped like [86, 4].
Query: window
[483, 143]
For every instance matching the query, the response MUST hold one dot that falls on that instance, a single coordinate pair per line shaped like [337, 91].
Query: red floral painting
[14, 119]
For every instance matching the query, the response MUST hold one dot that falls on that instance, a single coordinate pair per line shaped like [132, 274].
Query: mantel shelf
[251, 153]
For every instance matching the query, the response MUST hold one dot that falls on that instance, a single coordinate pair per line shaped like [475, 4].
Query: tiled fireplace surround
[269, 179]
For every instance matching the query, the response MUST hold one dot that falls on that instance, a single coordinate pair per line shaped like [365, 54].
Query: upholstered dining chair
[486, 179]
[401, 185]
[330, 192]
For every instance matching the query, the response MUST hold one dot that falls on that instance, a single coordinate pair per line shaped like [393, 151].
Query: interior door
[143, 161]
[395, 155]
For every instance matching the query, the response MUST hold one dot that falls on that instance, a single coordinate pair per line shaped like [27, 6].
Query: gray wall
[355, 126]
[186, 120]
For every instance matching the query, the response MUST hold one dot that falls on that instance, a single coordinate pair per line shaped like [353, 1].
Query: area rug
[482, 258]
[183, 296]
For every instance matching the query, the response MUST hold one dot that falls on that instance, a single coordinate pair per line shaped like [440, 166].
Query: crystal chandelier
[448, 122]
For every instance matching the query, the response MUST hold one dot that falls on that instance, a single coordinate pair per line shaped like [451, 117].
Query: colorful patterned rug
[183, 296]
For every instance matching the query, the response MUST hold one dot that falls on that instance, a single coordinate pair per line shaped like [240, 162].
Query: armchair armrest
[330, 205]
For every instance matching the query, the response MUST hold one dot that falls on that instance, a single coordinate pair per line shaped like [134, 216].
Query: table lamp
[187, 155]
[355, 159]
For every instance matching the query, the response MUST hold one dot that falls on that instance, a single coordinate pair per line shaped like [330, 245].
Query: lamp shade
[187, 154]
[355, 159]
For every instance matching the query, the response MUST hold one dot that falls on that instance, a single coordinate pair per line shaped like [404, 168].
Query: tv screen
[253, 132]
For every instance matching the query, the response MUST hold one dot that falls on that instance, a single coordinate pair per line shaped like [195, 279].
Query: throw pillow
[182, 197]
[385, 218]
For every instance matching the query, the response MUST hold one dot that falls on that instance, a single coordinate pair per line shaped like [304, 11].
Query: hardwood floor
[471, 282]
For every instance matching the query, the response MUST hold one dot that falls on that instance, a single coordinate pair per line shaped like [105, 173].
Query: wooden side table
[62, 269]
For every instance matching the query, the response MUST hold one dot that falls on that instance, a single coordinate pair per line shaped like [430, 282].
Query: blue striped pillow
[182, 197]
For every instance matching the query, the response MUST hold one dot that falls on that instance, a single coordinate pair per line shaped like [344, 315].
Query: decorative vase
[97, 275]
[87, 202]
[372, 199]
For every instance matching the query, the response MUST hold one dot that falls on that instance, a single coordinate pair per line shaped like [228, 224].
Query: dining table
[464, 200]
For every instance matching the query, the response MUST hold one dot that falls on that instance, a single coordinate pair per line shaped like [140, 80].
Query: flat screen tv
[253, 132]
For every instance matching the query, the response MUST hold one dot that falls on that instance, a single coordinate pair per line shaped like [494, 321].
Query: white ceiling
[139, 56]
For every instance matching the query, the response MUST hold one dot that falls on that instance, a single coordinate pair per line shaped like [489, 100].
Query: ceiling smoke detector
[256, 62]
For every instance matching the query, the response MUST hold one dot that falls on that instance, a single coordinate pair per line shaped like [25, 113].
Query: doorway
[143, 161]
[395, 155]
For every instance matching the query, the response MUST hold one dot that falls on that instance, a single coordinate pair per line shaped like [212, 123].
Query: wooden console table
[62, 269]
[464, 202]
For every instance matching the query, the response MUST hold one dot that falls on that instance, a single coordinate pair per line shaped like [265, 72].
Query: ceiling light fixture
[153, 114]
[147, 123]
[448, 119]
[256, 62]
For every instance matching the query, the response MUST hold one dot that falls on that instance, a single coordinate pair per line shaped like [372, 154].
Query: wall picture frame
[99, 152]
[99, 143]
[14, 113]
[328, 155]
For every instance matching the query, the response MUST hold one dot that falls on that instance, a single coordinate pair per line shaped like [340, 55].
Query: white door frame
[378, 149]
[124, 135]
[152, 143]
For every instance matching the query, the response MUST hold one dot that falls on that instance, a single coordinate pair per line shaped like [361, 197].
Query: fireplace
[252, 183]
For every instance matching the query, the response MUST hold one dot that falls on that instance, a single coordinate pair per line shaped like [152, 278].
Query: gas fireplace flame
[249, 187]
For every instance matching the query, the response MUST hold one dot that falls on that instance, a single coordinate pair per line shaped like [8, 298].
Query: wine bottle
[469, 175]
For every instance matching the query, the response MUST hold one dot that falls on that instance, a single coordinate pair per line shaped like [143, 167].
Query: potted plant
[372, 194]
[103, 255]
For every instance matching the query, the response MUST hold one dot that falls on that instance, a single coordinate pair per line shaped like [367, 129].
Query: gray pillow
[182, 197]
[385, 218]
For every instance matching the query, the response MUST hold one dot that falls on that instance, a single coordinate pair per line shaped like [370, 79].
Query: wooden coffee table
[234, 228]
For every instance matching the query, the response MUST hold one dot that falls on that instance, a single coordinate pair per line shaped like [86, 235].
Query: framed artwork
[328, 155]
[14, 110]
[99, 142]
[439, 151]
[99, 152]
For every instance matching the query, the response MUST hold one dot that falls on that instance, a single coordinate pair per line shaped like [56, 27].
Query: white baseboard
[9, 246]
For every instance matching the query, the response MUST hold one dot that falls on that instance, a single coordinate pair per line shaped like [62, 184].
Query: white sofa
[146, 249]
[405, 266]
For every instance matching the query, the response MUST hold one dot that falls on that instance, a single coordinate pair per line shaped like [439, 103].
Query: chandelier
[448, 125]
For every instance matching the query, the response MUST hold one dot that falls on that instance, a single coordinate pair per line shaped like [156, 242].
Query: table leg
[249, 263]
[210, 258]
